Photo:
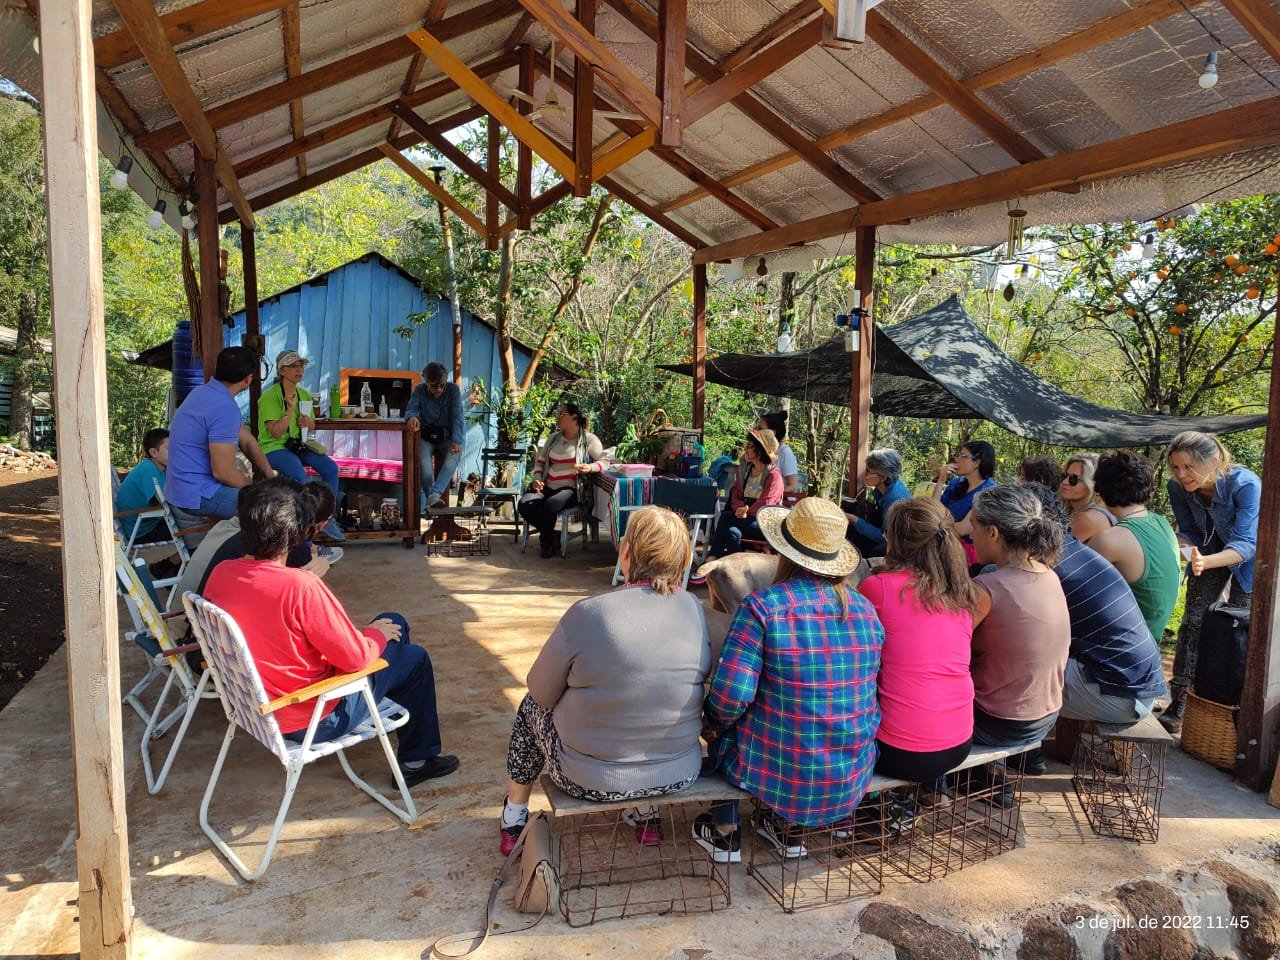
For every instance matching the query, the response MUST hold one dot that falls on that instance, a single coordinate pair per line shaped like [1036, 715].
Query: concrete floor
[350, 881]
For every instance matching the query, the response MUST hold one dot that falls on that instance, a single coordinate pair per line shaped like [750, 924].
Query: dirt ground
[30, 577]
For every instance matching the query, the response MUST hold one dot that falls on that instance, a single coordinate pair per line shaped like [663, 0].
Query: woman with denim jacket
[1215, 508]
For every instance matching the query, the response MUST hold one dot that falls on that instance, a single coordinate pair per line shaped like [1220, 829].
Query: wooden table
[409, 465]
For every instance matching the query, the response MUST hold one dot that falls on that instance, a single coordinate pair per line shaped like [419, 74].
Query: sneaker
[441, 765]
[510, 834]
[784, 837]
[697, 581]
[334, 532]
[436, 502]
[329, 555]
[723, 847]
[648, 825]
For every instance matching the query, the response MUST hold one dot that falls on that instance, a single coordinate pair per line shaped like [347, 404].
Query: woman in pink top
[925, 601]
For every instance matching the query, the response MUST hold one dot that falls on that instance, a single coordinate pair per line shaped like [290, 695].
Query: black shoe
[1171, 719]
[546, 549]
[1032, 763]
[441, 765]
[784, 837]
[164, 569]
[723, 847]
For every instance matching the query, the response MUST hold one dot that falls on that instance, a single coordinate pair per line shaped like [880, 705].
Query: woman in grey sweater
[614, 707]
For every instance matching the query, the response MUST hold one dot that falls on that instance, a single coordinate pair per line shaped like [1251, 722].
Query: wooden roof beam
[132, 123]
[143, 23]
[585, 46]
[492, 101]
[541, 202]
[584, 95]
[755, 110]
[457, 157]
[331, 74]
[116, 49]
[291, 31]
[428, 183]
[771, 33]
[1247, 127]
[1261, 20]
[1093, 36]
[672, 43]
[435, 13]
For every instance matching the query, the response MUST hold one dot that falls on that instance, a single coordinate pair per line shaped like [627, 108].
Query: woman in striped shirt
[570, 451]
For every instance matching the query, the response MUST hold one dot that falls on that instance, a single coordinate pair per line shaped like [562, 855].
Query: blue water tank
[188, 369]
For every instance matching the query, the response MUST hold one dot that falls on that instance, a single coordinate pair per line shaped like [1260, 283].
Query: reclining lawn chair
[152, 634]
[127, 521]
[245, 702]
[185, 539]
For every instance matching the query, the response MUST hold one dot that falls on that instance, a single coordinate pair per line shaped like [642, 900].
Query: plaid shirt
[796, 690]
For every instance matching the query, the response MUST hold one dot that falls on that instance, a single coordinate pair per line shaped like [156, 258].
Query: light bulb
[156, 216]
[1149, 247]
[120, 176]
[784, 340]
[1210, 75]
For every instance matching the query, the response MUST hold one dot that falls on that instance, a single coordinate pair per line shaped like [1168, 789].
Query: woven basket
[1209, 731]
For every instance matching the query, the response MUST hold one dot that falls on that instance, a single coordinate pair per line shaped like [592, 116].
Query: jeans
[221, 505]
[292, 465]
[1082, 699]
[409, 680]
[730, 532]
[432, 485]
[989, 731]
[543, 509]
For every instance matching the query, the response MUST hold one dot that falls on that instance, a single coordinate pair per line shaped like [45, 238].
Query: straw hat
[768, 441]
[812, 533]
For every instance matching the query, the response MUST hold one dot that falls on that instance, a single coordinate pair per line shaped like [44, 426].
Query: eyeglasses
[1072, 479]
[966, 456]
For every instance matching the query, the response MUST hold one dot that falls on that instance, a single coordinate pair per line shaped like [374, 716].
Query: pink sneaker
[648, 826]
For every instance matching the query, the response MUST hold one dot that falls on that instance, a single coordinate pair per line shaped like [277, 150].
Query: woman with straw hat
[760, 485]
[792, 705]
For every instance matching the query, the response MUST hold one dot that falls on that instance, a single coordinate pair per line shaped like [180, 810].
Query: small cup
[394, 413]
[1186, 553]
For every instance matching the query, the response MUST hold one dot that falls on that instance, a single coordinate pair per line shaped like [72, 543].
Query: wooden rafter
[433, 188]
[291, 31]
[771, 33]
[332, 74]
[585, 46]
[435, 13]
[729, 85]
[1262, 22]
[613, 158]
[541, 202]
[584, 95]
[518, 32]
[492, 101]
[316, 178]
[963, 100]
[181, 26]
[1095, 35]
[672, 42]
[143, 24]
[756, 110]
[133, 125]
[1247, 127]
[457, 157]
[661, 219]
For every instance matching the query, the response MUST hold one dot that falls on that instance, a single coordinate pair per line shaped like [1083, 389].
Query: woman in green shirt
[1141, 545]
[280, 428]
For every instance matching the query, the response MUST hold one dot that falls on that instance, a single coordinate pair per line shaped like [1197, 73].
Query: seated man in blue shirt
[138, 491]
[435, 408]
[883, 478]
[202, 479]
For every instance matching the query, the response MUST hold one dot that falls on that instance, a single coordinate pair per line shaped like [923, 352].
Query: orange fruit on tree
[1217, 276]
[1129, 311]
[1271, 249]
[1232, 259]
[1163, 273]
[1242, 270]
[1175, 329]
[1251, 293]
[1180, 308]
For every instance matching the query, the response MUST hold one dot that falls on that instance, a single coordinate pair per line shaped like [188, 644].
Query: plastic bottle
[366, 399]
[382, 407]
[335, 402]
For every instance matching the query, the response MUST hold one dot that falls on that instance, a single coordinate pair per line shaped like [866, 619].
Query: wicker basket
[1209, 731]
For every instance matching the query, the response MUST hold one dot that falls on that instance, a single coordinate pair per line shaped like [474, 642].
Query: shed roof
[1087, 110]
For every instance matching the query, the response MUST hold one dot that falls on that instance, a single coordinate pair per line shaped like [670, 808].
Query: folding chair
[493, 460]
[695, 502]
[247, 708]
[179, 535]
[152, 634]
[122, 519]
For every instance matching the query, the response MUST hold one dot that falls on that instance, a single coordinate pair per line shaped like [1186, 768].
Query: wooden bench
[605, 873]
[1118, 773]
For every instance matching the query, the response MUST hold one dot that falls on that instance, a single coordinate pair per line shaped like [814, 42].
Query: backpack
[1223, 649]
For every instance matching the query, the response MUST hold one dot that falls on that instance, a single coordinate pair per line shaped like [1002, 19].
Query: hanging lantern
[1017, 223]
[1008, 292]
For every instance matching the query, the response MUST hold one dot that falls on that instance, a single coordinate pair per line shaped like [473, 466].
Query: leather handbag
[537, 888]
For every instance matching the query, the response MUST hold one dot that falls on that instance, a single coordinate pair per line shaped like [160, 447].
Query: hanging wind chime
[1017, 224]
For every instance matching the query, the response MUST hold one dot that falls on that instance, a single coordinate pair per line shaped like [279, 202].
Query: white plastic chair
[151, 633]
[245, 702]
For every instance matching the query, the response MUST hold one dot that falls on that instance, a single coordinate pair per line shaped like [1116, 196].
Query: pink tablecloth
[364, 454]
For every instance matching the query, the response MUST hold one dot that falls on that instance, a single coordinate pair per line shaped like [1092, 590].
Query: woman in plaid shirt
[794, 696]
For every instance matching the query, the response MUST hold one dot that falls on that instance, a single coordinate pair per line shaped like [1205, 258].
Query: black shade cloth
[939, 364]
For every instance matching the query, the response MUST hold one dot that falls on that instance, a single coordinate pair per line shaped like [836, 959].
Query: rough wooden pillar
[207, 245]
[524, 155]
[699, 345]
[672, 20]
[1260, 706]
[864, 251]
[80, 389]
[493, 163]
[252, 327]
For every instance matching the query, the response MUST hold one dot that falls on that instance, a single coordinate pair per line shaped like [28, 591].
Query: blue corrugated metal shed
[348, 317]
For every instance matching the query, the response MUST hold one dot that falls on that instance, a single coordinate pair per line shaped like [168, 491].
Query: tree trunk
[21, 407]
[511, 392]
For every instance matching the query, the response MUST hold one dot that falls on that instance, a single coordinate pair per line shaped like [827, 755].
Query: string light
[120, 177]
[187, 216]
[1149, 246]
[156, 216]
[1210, 76]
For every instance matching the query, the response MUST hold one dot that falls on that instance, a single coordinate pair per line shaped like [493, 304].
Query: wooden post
[672, 17]
[252, 328]
[584, 94]
[699, 346]
[493, 162]
[210, 342]
[524, 155]
[1260, 704]
[864, 251]
[88, 566]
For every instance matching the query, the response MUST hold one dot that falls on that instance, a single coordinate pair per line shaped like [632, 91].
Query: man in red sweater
[299, 634]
